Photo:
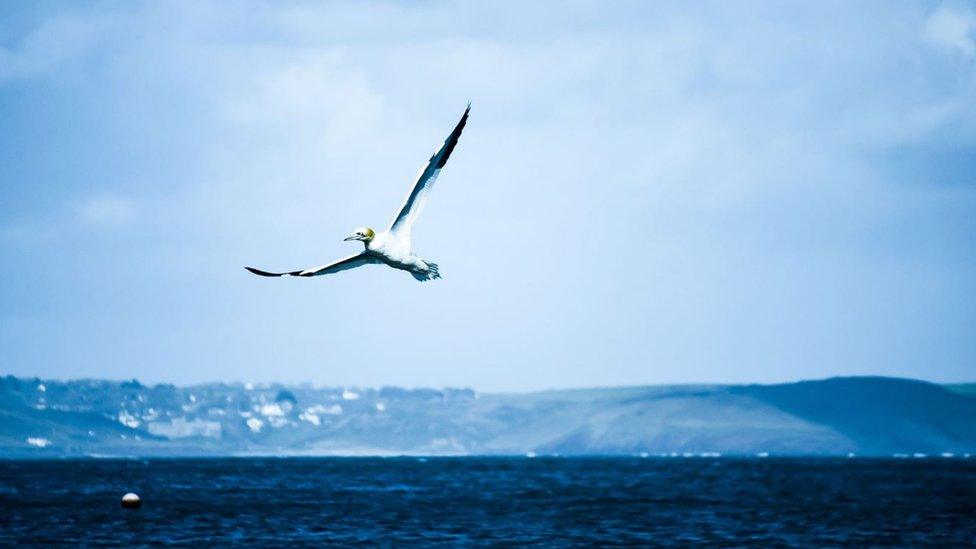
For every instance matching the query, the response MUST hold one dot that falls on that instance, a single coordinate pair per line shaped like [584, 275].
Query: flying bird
[392, 246]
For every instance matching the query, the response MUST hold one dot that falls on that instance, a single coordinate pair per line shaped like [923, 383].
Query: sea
[476, 501]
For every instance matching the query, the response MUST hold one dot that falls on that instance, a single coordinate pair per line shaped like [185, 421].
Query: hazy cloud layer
[705, 192]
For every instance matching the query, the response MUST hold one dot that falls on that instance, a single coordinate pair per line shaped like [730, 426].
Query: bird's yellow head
[364, 234]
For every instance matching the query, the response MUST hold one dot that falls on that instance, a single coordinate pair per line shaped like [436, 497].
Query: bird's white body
[392, 246]
[396, 253]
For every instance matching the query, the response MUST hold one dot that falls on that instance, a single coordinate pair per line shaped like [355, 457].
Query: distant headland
[861, 416]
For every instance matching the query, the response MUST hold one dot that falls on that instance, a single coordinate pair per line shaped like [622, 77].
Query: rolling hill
[871, 416]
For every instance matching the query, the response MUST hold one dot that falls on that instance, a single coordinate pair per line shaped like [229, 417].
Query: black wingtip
[259, 272]
[452, 139]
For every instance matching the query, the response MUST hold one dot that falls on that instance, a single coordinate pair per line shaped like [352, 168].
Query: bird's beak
[353, 236]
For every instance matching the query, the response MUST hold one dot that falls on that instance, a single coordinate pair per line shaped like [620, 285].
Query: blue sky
[653, 193]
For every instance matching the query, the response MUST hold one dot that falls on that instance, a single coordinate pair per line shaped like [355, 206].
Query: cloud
[50, 229]
[953, 27]
[50, 45]
[106, 211]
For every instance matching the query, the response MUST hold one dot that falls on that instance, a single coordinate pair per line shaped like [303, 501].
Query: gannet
[392, 246]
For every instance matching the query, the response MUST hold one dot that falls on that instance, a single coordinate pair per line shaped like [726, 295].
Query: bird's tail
[433, 273]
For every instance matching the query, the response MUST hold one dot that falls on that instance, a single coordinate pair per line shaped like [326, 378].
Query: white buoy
[131, 501]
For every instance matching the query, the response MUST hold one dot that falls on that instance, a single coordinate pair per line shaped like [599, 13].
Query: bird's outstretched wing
[414, 202]
[345, 264]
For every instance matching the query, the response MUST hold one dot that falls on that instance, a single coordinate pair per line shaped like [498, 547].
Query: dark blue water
[476, 501]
